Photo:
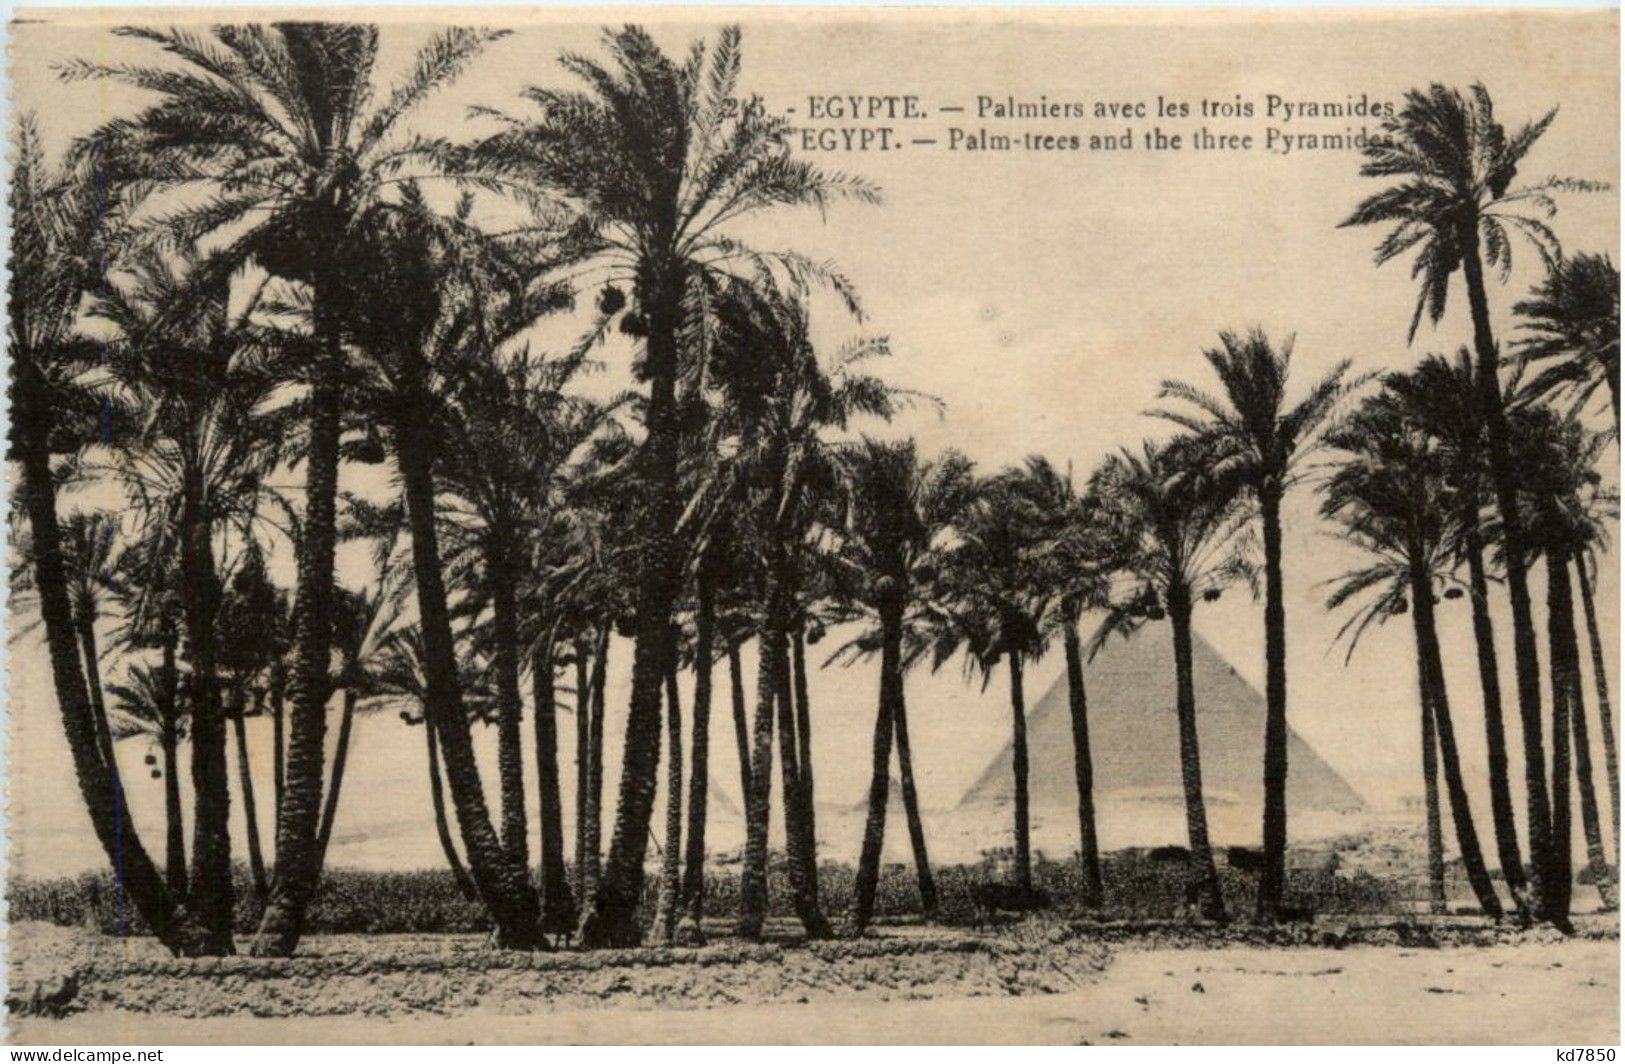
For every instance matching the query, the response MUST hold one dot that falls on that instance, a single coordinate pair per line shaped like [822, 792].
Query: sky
[1042, 297]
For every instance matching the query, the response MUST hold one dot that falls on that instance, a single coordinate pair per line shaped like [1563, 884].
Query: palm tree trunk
[611, 919]
[1503, 473]
[699, 764]
[801, 850]
[1430, 791]
[663, 930]
[510, 749]
[1461, 814]
[437, 797]
[1489, 679]
[1565, 682]
[300, 809]
[586, 865]
[169, 739]
[1018, 749]
[1204, 881]
[161, 910]
[1562, 872]
[211, 891]
[558, 907]
[1605, 709]
[1273, 880]
[874, 827]
[504, 884]
[798, 664]
[1093, 893]
[245, 780]
[341, 757]
[595, 760]
[911, 808]
[279, 736]
[753, 874]
[736, 692]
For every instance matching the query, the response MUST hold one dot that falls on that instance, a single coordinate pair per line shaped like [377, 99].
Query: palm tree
[190, 374]
[1264, 440]
[997, 604]
[657, 160]
[262, 133]
[407, 351]
[509, 431]
[562, 577]
[721, 625]
[1438, 397]
[1571, 321]
[1177, 516]
[146, 703]
[784, 401]
[1454, 205]
[397, 676]
[60, 227]
[1390, 496]
[1074, 555]
[891, 531]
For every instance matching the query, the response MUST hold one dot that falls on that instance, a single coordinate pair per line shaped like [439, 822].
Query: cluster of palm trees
[258, 283]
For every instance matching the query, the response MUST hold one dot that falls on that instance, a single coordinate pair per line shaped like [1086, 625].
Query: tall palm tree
[407, 352]
[1571, 322]
[1264, 437]
[1557, 457]
[263, 133]
[1390, 496]
[692, 900]
[60, 227]
[657, 159]
[1438, 397]
[891, 527]
[190, 373]
[1453, 203]
[1178, 517]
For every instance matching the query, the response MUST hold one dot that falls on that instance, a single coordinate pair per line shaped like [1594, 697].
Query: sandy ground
[1534, 994]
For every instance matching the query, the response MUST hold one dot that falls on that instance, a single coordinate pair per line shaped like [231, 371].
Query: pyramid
[1135, 742]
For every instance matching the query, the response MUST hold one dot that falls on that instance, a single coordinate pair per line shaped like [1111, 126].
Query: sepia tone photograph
[812, 526]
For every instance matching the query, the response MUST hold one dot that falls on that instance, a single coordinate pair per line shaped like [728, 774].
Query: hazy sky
[1042, 296]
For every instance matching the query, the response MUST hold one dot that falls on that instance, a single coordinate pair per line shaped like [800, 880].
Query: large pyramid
[1135, 743]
